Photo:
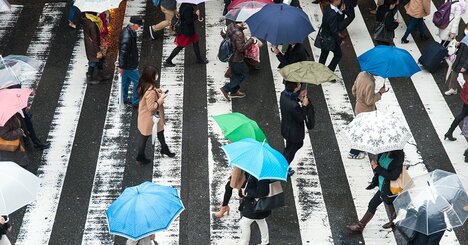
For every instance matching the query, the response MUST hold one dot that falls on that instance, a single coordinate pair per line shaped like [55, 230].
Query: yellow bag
[404, 180]
[9, 145]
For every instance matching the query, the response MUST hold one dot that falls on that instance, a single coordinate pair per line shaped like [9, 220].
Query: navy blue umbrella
[280, 24]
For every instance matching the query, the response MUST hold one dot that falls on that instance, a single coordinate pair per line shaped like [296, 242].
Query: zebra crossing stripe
[8, 20]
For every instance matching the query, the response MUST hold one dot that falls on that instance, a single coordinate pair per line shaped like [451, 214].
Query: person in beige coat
[366, 97]
[151, 102]
[417, 9]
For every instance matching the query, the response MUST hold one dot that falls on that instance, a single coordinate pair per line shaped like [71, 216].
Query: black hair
[290, 86]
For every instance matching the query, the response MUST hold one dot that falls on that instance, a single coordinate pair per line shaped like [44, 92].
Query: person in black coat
[332, 16]
[4, 228]
[188, 14]
[296, 52]
[254, 189]
[386, 14]
[348, 10]
[294, 107]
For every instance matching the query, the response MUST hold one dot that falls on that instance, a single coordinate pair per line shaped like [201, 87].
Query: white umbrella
[18, 187]
[4, 6]
[97, 6]
[15, 69]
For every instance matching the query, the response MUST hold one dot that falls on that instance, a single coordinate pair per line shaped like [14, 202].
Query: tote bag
[275, 198]
[398, 185]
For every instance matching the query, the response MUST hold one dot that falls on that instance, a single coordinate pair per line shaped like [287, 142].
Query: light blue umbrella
[258, 159]
[143, 210]
[388, 61]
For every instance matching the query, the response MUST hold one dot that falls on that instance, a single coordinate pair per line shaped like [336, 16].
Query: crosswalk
[327, 191]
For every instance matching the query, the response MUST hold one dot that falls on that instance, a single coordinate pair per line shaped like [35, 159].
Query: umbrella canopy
[388, 61]
[280, 24]
[237, 126]
[192, 1]
[234, 3]
[12, 100]
[308, 72]
[15, 69]
[18, 187]
[143, 210]
[434, 202]
[243, 11]
[97, 6]
[4, 6]
[258, 159]
[376, 132]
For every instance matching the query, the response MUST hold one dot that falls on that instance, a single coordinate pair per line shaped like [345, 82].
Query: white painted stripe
[39, 47]
[39, 217]
[8, 20]
[310, 206]
[225, 230]
[166, 171]
[107, 184]
[361, 43]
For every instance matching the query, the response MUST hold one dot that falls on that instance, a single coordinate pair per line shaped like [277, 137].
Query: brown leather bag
[9, 145]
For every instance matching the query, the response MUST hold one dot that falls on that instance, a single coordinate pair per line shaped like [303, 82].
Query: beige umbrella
[308, 72]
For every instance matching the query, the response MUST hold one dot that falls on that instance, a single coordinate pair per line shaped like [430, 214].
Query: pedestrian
[388, 166]
[72, 15]
[92, 27]
[4, 228]
[364, 91]
[151, 102]
[386, 17]
[14, 141]
[168, 7]
[235, 181]
[330, 34]
[188, 14]
[460, 65]
[450, 32]
[254, 189]
[128, 59]
[237, 64]
[295, 52]
[149, 240]
[348, 11]
[294, 106]
[436, 219]
[417, 10]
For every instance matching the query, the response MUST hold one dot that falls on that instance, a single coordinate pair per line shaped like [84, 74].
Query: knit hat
[136, 20]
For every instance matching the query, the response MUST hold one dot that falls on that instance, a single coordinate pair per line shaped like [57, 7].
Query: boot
[465, 153]
[449, 136]
[359, 226]
[164, 148]
[90, 80]
[101, 76]
[223, 210]
[168, 61]
[141, 158]
[390, 224]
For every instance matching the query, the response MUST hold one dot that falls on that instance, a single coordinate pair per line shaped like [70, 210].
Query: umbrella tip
[264, 140]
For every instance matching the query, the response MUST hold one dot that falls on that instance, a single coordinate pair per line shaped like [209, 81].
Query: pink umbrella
[12, 100]
[236, 2]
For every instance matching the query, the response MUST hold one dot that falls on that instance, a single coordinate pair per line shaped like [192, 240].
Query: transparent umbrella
[15, 69]
[243, 11]
[434, 202]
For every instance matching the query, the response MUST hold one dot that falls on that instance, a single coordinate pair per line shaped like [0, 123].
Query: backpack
[441, 17]
[226, 50]
[176, 24]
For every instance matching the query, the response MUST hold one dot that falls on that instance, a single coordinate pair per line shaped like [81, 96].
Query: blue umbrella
[280, 24]
[143, 210]
[388, 61]
[257, 159]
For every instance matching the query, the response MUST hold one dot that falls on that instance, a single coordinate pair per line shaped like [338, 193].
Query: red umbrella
[235, 2]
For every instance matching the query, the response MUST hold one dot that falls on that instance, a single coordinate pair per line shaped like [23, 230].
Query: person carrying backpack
[453, 16]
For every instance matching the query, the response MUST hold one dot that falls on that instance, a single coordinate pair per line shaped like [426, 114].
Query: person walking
[189, 13]
[168, 7]
[4, 228]
[348, 11]
[364, 91]
[450, 32]
[388, 166]
[236, 181]
[254, 189]
[386, 15]
[128, 59]
[294, 105]
[14, 141]
[151, 102]
[330, 31]
[417, 10]
[295, 52]
[460, 65]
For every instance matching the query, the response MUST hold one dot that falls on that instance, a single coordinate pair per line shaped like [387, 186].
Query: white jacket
[455, 15]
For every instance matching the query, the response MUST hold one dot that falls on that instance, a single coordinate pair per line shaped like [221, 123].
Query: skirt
[183, 41]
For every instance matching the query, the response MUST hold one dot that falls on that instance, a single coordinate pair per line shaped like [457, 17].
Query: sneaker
[152, 33]
[404, 41]
[237, 94]
[168, 64]
[361, 155]
[226, 94]
[450, 92]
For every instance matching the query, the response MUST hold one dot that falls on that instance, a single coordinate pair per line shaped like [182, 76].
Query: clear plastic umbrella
[243, 11]
[434, 202]
[15, 69]
[4, 6]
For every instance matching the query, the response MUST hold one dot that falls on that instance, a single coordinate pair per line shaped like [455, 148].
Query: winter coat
[455, 16]
[330, 24]
[364, 92]
[392, 172]
[418, 8]
[292, 55]
[239, 45]
[128, 49]
[146, 109]
[293, 117]
[462, 58]
[12, 131]
[187, 19]
[92, 39]
[390, 23]
[254, 189]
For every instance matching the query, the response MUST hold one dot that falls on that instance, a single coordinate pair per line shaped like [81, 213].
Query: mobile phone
[167, 91]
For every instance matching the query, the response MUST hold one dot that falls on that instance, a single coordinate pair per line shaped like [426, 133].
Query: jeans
[413, 22]
[336, 57]
[93, 64]
[245, 228]
[291, 149]
[72, 12]
[239, 73]
[168, 14]
[127, 77]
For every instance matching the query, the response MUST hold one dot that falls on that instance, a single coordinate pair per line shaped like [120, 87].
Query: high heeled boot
[164, 148]
[222, 210]
[359, 226]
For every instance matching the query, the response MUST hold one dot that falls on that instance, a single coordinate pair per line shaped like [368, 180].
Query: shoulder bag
[324, 42]
[275, 198]
[381, 33]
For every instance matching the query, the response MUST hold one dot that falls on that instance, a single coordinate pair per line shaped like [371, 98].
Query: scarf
[96, 20]
[384, 161]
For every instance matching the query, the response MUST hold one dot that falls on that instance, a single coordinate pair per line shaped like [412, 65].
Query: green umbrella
[236, 126]
[308, 72]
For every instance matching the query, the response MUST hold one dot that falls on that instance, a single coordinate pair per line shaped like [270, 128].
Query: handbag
[324, 42]
[275, 198]
[403, 181]
[9, 145]
[380, 32]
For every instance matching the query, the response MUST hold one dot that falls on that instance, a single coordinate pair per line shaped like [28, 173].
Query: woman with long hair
[151, 102]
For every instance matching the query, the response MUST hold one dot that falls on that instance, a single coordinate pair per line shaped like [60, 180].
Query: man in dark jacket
[295, 53]
[238, 67]
[293, 105]
[330, 29]
[128, 58]
[92, 42]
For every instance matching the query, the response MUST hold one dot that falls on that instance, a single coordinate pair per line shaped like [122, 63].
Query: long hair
[146, 80]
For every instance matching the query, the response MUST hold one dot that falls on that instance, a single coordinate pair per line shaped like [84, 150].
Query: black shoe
[152, 33]
[404, 41]
[371, 186]
[141, 159]
[168, 64]
[42, 146]
[449, 137]
[166, 151]
[466, 159]
[291, 172]
[202, 61]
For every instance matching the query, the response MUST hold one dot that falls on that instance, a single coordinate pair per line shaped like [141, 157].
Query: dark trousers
[336, 57]
[458, 119]
[29, 126]
[413, 23]
[239, 73]
[177, 49]
[376, 200]
[291, 149]
[350, 15]
[142, 144]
